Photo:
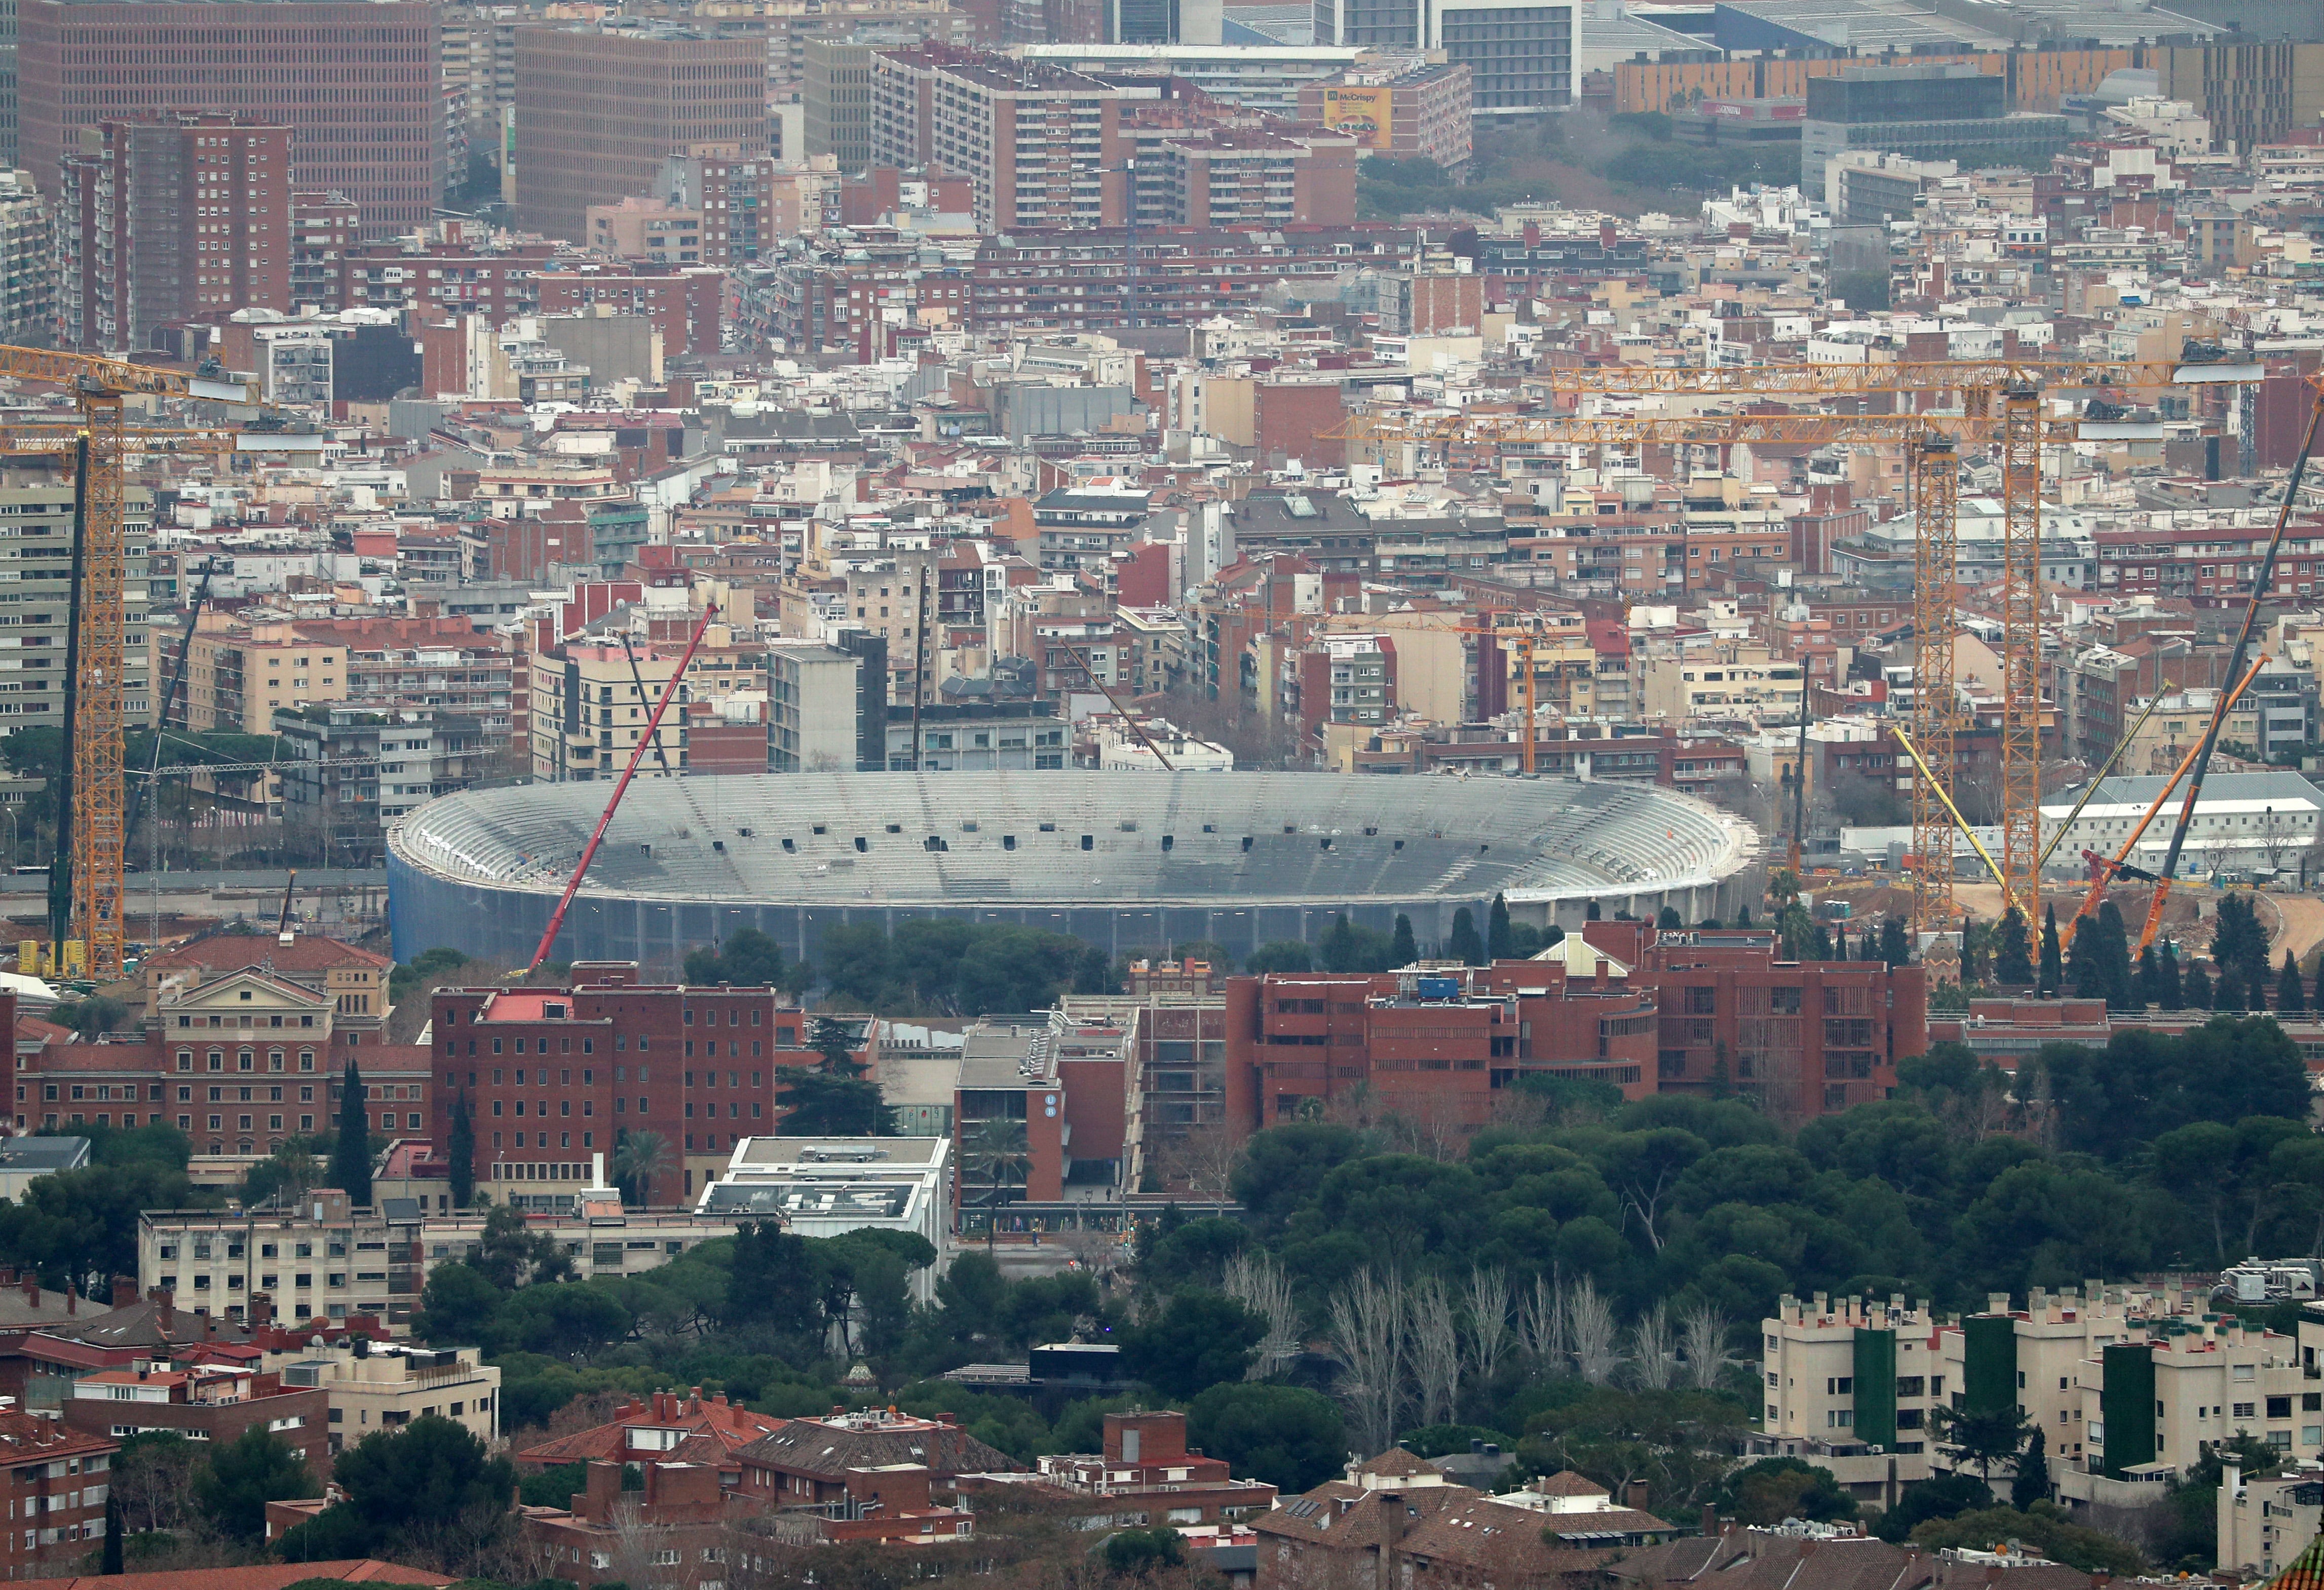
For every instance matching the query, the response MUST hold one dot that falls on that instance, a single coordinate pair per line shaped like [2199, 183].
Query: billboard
[1363, 114]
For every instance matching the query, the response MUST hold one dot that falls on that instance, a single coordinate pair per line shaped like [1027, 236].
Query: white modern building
[1262, 77]
[2245, 821]
[830, 1186]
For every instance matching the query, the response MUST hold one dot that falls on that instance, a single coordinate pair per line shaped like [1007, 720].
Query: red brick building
[687, 303]
[807, 1462]
[553, 1075]
[1686, 1011]
[212, 1402]
[170, 217]
[57, 1478]
[357, 81]
[1146, 1469]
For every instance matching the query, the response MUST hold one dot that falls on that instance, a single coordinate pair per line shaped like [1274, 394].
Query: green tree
[246, 1473]
[1774, 1489]
[835, 1041]
[429, 1480]
[2195, 987]
[109, 1559]
[1288, 1436]
[460, 1149]
[1668, 919]
[1281, 956]
[2044, 1532]
[1201, 1339]
[749, 960]
[771, 1284]
[2171, 990]
[639, 1157]
[510, 1254]
[2114, 958]
[1895, 948]
[1940, 1496]
[1499, 942]
[351, 1157]
[1464, 945]
[819, 1104]
[1982, 1435]
[2013, 966]
[1136, 1553]
[2291, 995]
[2148, 980]
[1403, 951]
[459, 1304]
[2031, 1482]
[2051, 976]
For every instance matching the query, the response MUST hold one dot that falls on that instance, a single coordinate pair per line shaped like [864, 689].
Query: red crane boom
[652, 735]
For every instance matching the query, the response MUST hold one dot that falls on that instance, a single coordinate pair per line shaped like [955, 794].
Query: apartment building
[36, 510]
[2148, 1405]
[324, 1261]
[28, 275]
[389, 1385]
[378, 138]
[599, 109]
[351, 771]
[1729, 679]
[240, 670]
[685, 302]
[180, 217]
[2125, 1383]
[591, 707]
[747, 202]
[199, 1400]
[826, 709]
[1041, 146]
[1144, 1469]
[58, 1475]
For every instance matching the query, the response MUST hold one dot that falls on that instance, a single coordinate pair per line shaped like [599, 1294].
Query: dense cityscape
[1238, 794]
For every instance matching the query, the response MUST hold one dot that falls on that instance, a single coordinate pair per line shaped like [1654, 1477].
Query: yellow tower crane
[1988, 401]
[94, 802]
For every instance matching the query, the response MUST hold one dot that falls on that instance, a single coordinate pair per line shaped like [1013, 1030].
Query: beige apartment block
[390, 1385]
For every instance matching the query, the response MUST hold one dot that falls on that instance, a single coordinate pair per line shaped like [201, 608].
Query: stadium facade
[1128, 861]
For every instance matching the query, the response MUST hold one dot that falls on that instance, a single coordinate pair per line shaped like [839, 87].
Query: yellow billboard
[1364, 114]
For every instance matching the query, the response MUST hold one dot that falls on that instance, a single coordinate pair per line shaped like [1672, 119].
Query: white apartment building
[2148, 1404]
[1854, 1385]
[2265, 1523]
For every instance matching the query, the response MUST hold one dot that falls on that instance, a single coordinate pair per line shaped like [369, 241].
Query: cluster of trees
[2092, 958]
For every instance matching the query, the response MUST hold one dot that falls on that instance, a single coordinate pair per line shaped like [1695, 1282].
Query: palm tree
[640, 1158]
[998, 1151]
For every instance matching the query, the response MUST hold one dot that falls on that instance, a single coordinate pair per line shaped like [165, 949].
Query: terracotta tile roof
[717, 1428]
[1395, 1461]
[1763, 1560]
[1566, 1483]
[2303, 1572]
[1505, 1541]
[216, 954]
[812, 1447]
[273, 1576]
[32, 1029]
[24, 1435]
[1348, 1518]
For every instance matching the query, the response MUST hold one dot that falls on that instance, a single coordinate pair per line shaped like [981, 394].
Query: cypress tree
[2013, 960]
[2227, 993]
[351, 1159]
[1591, 913]
[1464, 945]
[2290, 997]
[1970, 966]
[2114, 958]
[109, 1562]
[2171, 992]
[2194, 987]
[1401, 949]
[2150, 977]
[461, 1150]
[2032, 1483]
[1896, 949]
[1499, 942]
[2053, 974]
[1743, 919]
[2085, 968]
